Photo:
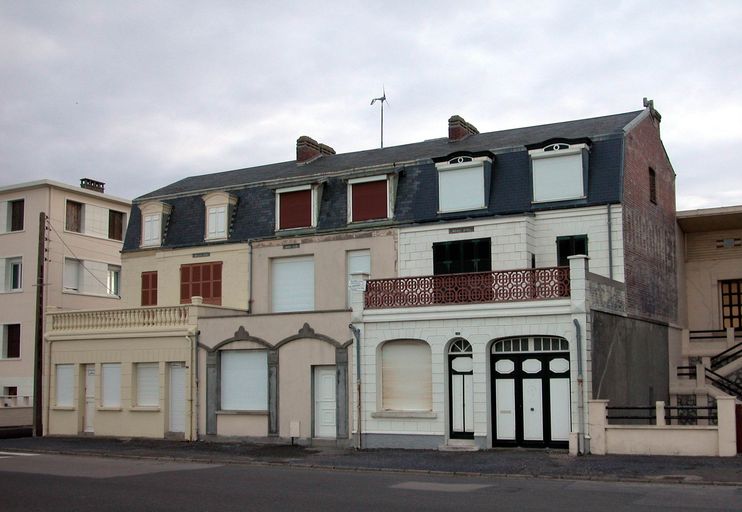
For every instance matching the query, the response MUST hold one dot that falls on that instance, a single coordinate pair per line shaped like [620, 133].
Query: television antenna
[381, 100]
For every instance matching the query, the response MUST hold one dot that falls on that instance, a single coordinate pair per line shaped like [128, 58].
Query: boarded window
[369, 200]
[244, 380]
[406, 376]
[570, 246]
[201, 280]
[73, 220]
[115, 225]
[295, 209]
[149, 288]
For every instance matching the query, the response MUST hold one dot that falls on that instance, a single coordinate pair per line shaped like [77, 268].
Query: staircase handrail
[723, 383]
[726, 357]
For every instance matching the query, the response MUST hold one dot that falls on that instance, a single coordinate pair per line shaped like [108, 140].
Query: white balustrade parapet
[15, 401]
[111, 319]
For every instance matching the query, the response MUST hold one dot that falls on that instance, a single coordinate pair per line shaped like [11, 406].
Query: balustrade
[149, 317]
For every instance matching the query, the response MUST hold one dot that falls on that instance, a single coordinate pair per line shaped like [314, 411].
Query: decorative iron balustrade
[473, 288]
[148, 317]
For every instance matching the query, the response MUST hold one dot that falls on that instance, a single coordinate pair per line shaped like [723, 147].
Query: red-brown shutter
[185, 284]
[295, 209]
[369, 200]
[115, 225]
[149, 288]
[16, 215]
[74, 217]
[201, 279]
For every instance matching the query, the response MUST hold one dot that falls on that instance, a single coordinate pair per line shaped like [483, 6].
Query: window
[406, 376]
[244, 380]
[74, 220]
[559, 172]
[151, 230]
[570, 246]
[64, 385]
[10, 390]
[368, 199]
[217, 222]
[461, 184]
[11, 274]
[149, 288]
[11, 341]
[731, 303]
[201, 280]
[462, 256]
[111, 384]
[292, 284]
[652, 186]
[115, 225]
[148, 384]
[72, 274]
[15, 215]
[113, 283]
[357, 261]
[295, 207]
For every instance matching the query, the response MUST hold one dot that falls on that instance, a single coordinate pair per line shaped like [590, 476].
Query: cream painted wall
[19, 307]
[128, 420]
[235, 269]
[330, 264]
[513, 238]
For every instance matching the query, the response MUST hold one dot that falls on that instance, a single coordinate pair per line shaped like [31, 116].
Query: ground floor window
[406, 376]
[731, 303]
[64, 385]
[244, 380]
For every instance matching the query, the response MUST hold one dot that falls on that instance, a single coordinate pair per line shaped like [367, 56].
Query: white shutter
[96, 221]
[461, 189]
[358, 261]
[111, 382]
[148, 384]
[92, 277]
[151, 234]
[4, 220]
[217, 222]
[3, 282]
[557, 178]
[64, 385]
[293, 284]
[244, 380]
[406, 376]
[71, 274]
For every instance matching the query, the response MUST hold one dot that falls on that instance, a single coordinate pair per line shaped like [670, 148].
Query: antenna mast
[381, 100]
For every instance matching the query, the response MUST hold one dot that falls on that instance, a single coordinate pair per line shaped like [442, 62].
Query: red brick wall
[649, 229]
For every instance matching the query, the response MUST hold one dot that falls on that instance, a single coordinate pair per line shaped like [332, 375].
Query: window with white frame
[243, 380]
[111, 385]
[113, 281]
[461, 184]
[219, 207]
[10, 341]
[406, 376]
[72, 271]
[11, 215]
[370, 198]
[356, 262]
[297, 207]
[154, 221]
[292, 284]
[559, 172]
[11, 274]
[148, 384]
[64, 385]
[151, 232]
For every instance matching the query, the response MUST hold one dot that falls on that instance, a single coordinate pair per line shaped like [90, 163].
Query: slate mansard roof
[417, 194]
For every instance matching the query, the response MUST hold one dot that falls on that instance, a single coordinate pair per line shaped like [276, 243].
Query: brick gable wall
[649, 228]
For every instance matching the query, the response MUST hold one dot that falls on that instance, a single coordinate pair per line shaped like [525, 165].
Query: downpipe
[582, 440]
[357, 335]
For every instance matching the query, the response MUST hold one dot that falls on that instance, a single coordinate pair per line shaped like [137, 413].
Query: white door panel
[89, 397]
[324, 402]
[559, 402]
[533, 419]
[505, 402]
[177, 397]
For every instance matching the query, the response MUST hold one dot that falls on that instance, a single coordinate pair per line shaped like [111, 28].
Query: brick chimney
[89, 184]
[308, 149]
[458, 129]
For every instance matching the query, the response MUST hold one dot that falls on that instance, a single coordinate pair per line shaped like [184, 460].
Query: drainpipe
[581, 439]
[610, 244]
[193, 339]
[249, 278]
[357, 335]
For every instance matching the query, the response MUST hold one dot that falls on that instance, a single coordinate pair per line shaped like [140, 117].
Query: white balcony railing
[138, 318]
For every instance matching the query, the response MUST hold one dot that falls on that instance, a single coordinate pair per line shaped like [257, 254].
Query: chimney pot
[90, 184]
[459, 129]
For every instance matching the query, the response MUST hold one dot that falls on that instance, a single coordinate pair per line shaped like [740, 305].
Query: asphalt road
[81, 483]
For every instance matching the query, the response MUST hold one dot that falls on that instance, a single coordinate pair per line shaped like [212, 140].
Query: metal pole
[382, 124]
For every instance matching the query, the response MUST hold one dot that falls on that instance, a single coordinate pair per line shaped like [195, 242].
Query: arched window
[460, 346]
[534, 344]
[406, 376]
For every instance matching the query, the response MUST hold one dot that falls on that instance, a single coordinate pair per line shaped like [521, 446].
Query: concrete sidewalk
[510, 463]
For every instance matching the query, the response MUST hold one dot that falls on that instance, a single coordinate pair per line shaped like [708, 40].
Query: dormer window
[559, 172]
[219, 207]
[154, 218]
[371, 198]
[461, 183]
[296, 207]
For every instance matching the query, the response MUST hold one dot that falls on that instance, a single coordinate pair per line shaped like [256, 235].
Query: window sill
[10, 359]
[99, 295]
[547, 201]
[427, 415]
[460, 210]
[11, 232]
[109, 409]
[242, 413]
[17, 290]
[63, 408]
[91, 235]
[145, 408]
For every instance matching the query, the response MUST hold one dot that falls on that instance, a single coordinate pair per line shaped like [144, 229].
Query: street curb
[361, 469]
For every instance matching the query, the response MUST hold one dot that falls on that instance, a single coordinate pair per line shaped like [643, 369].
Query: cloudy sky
[141, 94]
